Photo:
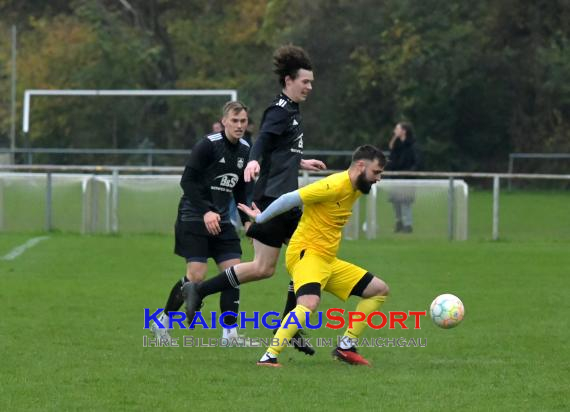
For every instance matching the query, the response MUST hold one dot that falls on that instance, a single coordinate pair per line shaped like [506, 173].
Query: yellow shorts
[334, 275]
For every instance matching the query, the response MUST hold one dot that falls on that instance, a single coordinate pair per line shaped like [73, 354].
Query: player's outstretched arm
[312, 165]
[283, 203]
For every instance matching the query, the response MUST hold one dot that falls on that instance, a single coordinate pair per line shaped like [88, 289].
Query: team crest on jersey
[227, 181]
[299, 142]
[240, 162]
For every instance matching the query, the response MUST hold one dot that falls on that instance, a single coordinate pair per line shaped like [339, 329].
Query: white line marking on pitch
[17, 251]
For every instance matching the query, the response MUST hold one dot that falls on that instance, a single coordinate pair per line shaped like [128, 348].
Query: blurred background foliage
[477, 79]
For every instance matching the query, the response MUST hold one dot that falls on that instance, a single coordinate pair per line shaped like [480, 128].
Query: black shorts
[195, 244]
[276, 231]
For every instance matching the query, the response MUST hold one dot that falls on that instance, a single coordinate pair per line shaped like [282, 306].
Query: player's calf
[192, 300]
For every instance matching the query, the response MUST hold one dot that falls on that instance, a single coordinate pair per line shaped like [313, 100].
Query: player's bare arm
[312, 165]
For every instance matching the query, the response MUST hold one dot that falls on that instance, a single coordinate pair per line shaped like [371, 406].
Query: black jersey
[280, 148]
[213, 173]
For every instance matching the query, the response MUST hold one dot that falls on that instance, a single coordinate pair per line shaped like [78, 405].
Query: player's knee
[194, 276]
[376, 287]
[311, 302]
[309, 295]
[264, 270]
[382, 288]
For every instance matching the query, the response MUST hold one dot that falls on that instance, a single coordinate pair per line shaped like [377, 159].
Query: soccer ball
[447, 311]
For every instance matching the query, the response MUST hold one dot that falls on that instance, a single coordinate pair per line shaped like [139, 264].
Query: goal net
[24, 203]
[119, 119]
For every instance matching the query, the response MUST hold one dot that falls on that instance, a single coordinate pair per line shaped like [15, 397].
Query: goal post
[232, 93]
[439, 207]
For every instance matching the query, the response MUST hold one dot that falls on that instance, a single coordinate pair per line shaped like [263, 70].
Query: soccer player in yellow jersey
[311, 255]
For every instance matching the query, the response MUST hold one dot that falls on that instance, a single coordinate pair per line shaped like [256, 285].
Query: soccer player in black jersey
[203, 229]
[276, 157]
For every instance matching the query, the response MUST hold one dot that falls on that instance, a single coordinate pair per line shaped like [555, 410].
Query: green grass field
[71, 335]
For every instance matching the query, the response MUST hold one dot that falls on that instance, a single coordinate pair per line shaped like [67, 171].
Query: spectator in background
[403, 156]
[217, 127]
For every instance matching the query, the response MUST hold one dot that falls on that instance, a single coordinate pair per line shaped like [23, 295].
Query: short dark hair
[233, 106]
[287, 60]
[369, 152]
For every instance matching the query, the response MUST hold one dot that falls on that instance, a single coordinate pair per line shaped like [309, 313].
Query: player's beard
[362, 184]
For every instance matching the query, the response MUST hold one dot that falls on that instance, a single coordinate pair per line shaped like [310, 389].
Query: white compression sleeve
[283, 203]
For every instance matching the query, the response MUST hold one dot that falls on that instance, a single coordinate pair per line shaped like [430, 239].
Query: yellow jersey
[327, 206]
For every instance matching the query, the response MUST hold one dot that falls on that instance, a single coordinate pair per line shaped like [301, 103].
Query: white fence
[112, 199]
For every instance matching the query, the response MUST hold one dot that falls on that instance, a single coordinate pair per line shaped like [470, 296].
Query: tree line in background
[477, 79]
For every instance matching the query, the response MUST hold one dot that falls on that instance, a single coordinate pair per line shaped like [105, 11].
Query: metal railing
[114, 171]
[149, 154]
[550, 156]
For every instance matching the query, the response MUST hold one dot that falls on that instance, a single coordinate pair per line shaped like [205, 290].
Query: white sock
[346, 343]
[229, 333]
[164, 319]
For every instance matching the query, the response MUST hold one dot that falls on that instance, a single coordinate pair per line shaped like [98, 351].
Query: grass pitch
[71, 335]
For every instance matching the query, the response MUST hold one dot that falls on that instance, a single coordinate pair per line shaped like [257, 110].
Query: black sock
[225, 280]
[175, 300]
[229, 302]
[291, 300]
